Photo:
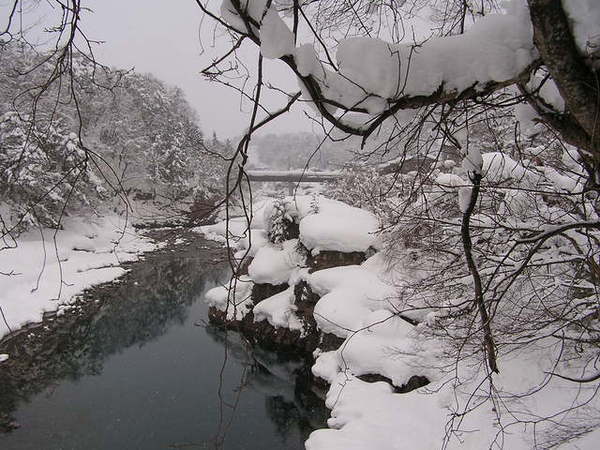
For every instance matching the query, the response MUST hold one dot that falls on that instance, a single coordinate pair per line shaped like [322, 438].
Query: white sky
[162, 37]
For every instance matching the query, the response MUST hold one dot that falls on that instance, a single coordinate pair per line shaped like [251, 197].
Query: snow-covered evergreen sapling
[276, 226]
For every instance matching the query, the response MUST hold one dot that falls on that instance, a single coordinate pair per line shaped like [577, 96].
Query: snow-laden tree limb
[371, 80]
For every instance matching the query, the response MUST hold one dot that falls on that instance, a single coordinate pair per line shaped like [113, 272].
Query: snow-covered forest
[125, 135]
[440, 290]
[80, 165]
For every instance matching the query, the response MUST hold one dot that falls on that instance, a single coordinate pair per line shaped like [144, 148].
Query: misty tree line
[126, 135]
[298, 150]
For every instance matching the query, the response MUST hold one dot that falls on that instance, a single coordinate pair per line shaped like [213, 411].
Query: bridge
[292, 176]
[403, 165]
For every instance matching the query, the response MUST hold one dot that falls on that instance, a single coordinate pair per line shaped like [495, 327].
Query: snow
[339, 227]
[562, 182]
[498, 167]
[233, 299]
[585, 24]
[294, 173]
[240, 231]
[348, 295]
[450, 180]
[307, 61]
[528, 119]
[360, 60]
[369, 415]
[254, 241]
[473, 161]
[387, 345]
[274, 264]
[276, 39]
[236, 229]
[279, 310]
[363, 305]
[254, 8]
[360, 303]
[548, 91]
[3, 357]
[324, 229]
[496, 48]
[85, 253]
[464, 198]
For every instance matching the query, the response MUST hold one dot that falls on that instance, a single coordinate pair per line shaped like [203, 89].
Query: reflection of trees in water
[283, 378]
[149, 299]
[152, 297]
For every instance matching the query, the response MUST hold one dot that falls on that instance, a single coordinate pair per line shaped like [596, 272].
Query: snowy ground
[43, 270]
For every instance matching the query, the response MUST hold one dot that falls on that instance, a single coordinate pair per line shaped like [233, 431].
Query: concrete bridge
[415, 163]
[292, 176]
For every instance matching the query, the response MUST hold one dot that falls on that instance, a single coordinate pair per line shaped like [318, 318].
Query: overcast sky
[162, 37]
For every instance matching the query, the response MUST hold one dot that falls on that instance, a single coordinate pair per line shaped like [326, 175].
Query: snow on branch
[377, 78]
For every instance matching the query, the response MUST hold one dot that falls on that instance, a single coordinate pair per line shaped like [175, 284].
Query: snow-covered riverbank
[43, 270]
[390, 346]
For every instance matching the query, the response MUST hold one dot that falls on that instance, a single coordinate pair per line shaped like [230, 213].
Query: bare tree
[532, 264]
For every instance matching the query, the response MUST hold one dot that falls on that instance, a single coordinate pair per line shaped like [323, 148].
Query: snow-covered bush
[534, 236]
[280, 221]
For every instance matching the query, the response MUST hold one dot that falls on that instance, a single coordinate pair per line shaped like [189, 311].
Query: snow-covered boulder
[338, 227]
[279, 311]
[274, 264]
[231, 302]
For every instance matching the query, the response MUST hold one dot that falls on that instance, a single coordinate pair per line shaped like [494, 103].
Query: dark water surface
[143, 371]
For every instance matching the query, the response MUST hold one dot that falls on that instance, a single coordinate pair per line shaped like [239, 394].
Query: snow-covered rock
[233, 300]
[349, 294]
[274, 264]
[279, 310]
[339, 227]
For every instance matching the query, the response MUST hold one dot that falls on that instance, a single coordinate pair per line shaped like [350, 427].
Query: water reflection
[282, 379]
[151, 298]
[135, 372]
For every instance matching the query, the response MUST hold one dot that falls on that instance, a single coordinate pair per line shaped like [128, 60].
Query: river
[136, 366]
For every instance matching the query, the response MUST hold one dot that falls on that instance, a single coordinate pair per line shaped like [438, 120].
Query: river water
[142, 370]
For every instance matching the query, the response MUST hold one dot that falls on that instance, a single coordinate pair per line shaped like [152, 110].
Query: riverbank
[43, 352]
[44, 270]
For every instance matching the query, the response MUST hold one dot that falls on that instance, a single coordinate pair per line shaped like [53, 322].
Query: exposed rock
[261, 291]
[263, 333]
[329, 342]
[326, 259]
[218, 317]
[305, 301]
[414, 382]
[305, 297]
[292, 229]
[270, 337]
[7, 423]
